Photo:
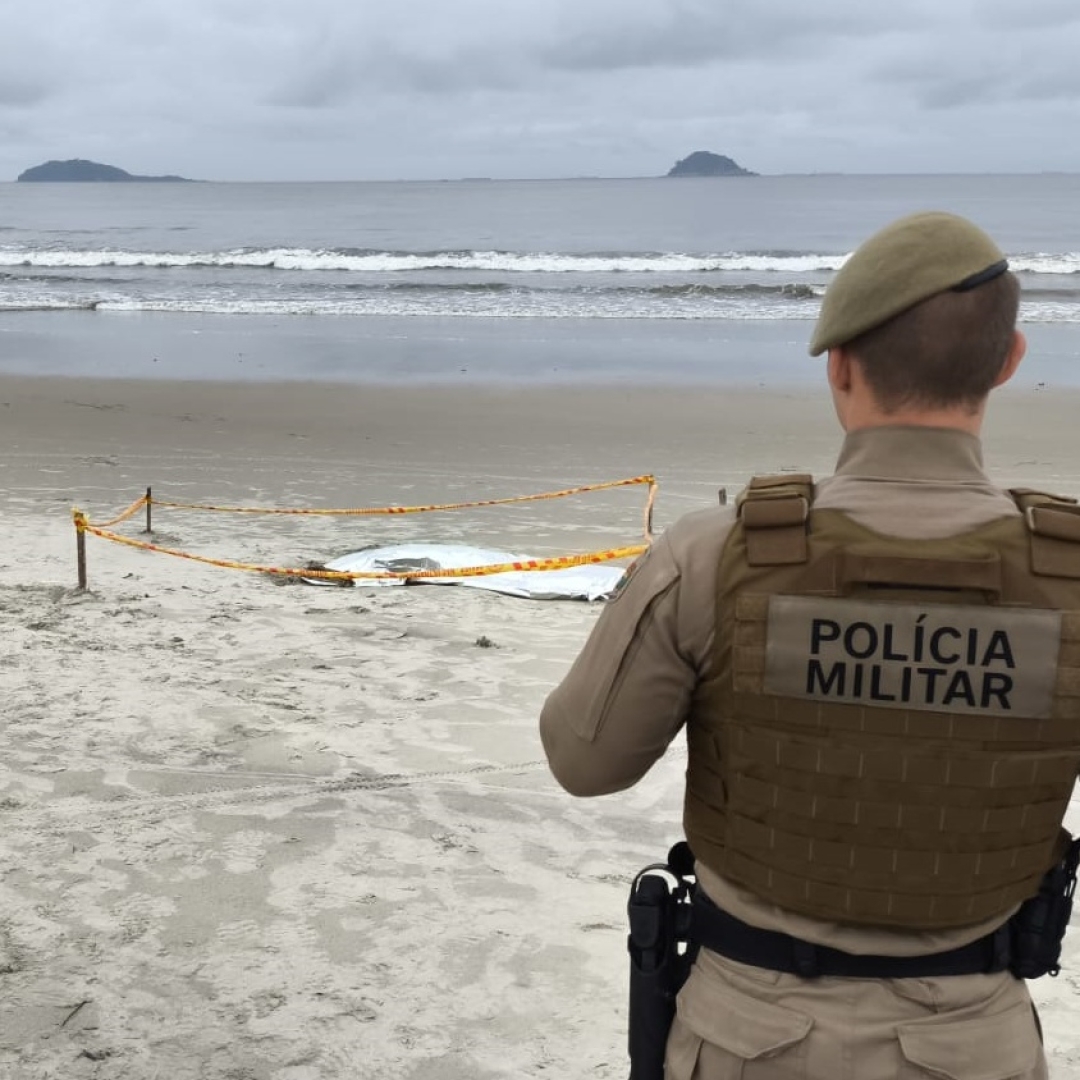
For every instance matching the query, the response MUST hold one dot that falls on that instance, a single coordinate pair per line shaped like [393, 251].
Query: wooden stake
[649, 511]
[148, 502]
[80, 545]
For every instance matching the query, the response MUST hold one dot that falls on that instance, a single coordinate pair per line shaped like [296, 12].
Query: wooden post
[80, 545]
[650, 499]
[148, 502]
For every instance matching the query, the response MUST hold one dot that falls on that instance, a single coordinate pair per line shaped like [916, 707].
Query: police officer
[879, 676]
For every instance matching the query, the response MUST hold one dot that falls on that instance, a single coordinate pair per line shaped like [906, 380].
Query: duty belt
[723, 933]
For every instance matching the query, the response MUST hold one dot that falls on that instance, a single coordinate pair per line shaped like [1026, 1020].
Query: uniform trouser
[736, 1021]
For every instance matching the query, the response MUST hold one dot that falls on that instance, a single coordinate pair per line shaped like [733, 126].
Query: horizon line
[553, 179]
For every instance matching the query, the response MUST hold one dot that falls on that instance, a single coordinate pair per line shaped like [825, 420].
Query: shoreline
[448, 351]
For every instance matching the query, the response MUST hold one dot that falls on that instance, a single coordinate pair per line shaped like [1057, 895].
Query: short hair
[946, 351]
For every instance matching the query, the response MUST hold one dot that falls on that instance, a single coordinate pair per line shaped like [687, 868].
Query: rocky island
[704, 163]
[80, 171]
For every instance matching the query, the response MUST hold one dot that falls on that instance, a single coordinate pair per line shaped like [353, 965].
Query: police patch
[628, 573]
[934, 657]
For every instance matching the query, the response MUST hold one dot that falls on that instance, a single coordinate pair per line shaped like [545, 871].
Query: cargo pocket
[723, 1034]
[1000, 1047]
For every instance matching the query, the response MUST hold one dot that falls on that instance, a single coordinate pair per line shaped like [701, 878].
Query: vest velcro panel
[774, 511]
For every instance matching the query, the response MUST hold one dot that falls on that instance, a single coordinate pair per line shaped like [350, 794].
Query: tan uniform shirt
[629, 691]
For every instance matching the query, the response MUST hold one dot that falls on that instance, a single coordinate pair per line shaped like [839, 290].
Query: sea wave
[387, 262]
[46, 304]
[558, 298]
[523, 304]
[1064, 264]
[791, 290]
[358, 260]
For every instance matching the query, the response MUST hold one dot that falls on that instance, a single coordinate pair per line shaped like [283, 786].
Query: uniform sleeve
[629, 691]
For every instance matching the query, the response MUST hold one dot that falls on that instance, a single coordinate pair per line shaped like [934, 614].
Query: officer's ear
[839, 370]
[1012, 361]
[840, 375]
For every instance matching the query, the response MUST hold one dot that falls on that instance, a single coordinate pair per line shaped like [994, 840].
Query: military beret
[905, 263]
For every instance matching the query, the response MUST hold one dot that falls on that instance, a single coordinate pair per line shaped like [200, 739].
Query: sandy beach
[256, 830]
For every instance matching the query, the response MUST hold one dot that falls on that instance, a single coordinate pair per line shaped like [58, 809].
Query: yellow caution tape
[82, 525]
[555, 563]
[650, 480]
[131, 511]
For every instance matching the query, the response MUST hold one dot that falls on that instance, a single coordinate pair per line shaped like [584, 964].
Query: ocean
[651, 280]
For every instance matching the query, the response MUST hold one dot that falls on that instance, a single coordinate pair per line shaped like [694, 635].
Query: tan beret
[906, 262]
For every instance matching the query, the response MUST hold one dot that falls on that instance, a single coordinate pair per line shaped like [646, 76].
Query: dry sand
[265, 832]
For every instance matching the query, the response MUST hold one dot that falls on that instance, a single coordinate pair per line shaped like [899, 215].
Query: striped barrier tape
[131, 511]
[102, 529]
[559, 562]
[646, 479]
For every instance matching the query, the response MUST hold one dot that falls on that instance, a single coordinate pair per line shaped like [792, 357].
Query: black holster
[1038, 928]
[660, 955]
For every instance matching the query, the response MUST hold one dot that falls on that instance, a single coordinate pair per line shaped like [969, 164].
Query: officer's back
[879, 676]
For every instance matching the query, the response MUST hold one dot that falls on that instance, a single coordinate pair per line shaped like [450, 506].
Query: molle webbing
[888, 816]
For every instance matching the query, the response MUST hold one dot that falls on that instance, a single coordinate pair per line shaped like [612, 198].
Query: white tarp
[591, 582]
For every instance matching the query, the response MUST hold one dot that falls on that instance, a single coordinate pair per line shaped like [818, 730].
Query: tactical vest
[892, 731]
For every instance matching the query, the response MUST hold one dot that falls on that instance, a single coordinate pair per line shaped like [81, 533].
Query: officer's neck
[858, 408]
[862, 415]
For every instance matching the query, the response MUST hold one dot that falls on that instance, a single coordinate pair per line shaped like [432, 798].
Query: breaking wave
[357, 260]
[522, 304]
[384, 262]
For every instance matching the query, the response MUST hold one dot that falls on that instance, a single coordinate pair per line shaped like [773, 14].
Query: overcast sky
[419, 89]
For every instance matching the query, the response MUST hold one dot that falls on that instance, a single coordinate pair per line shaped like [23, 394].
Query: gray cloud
[341, 76]
[1029, 15]
[342, 89]
[1050, 85]
[986, 68]
[22, 93]
[693, 32]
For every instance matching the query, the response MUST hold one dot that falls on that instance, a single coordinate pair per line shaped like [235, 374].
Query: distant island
[79, 171]
[704, 163]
